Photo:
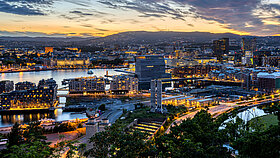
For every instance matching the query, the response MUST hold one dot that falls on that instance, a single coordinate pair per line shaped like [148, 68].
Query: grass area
[266, 120]
[145, 113]
[139, 113]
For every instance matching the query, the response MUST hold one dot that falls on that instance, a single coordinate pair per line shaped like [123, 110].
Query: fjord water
[58, 76]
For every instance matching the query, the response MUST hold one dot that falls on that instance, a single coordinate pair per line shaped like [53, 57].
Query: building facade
[150, 67]
[6, 86]
[39, 97]
[249, 44]
[220, 47]
[268, 81]
[69, 62]
[122, 84]
[85, 85]
[24, 86]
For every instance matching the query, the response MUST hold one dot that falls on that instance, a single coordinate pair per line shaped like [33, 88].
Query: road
[220, 109]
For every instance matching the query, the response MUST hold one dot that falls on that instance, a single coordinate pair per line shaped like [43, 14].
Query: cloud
[82, 3]
[30, 34]
[81, 13]
[25, 7]
[191, 25]
[41, 34]
[237, 14]
[87, 25]
[149, 8]
[103, 30]
[232, 14]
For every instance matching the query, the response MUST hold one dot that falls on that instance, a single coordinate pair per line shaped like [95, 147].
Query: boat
[90, 72]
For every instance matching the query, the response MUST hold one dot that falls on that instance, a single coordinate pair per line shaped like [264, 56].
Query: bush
[64, 127]
[102, 107]
[80, 125]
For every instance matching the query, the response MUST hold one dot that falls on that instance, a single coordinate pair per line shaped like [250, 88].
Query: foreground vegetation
[201, 136]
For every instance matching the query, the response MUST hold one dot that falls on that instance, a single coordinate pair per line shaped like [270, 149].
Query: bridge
[182, 79]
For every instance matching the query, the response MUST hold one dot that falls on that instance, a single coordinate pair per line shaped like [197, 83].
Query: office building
[122, 84]
[87, 85]
[220, 47]
[249, 44]
[150, 67]
[6, 86]
[24, 86]
[37, 98]
[268, 81]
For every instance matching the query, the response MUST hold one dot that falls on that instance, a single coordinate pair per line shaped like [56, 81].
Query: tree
[33, 149]
[102, 107]
[15, 136]
[259, 144]
[197, 137]
[115, 142]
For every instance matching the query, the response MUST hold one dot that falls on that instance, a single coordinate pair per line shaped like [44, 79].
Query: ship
[90, 72]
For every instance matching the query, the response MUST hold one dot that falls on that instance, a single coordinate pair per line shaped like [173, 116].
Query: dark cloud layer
[235, 14]
[24, 7]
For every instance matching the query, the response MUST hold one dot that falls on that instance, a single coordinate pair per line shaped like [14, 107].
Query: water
[58, 76]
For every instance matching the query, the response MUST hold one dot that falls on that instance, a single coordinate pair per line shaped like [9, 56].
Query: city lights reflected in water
[3, 76]
[57, 75]
[58, 115]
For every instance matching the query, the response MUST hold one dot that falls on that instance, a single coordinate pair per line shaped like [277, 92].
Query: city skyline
[86, 18]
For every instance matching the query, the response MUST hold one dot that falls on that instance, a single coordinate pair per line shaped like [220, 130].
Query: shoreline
[51, 69]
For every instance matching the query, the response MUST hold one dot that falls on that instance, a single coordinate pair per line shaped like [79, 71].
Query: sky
[60, 18]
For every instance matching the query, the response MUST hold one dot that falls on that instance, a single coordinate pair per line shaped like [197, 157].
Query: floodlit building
[48, 50]
[70, 62]
[150, 67]
[124, 84]
[86, 85]
[43, 96]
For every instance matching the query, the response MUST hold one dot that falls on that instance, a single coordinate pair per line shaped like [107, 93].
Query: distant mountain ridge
[162, 36]
[124, 38]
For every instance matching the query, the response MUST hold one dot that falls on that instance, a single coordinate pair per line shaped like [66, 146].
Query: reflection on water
[58, 76]
[58, 115]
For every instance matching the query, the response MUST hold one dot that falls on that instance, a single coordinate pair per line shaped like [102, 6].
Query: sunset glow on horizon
[61, 18]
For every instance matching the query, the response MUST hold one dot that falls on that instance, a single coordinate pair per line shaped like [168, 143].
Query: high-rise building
[150, 67]
[156, 95]
[6, 86]
[220, 47]
[249, 44]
